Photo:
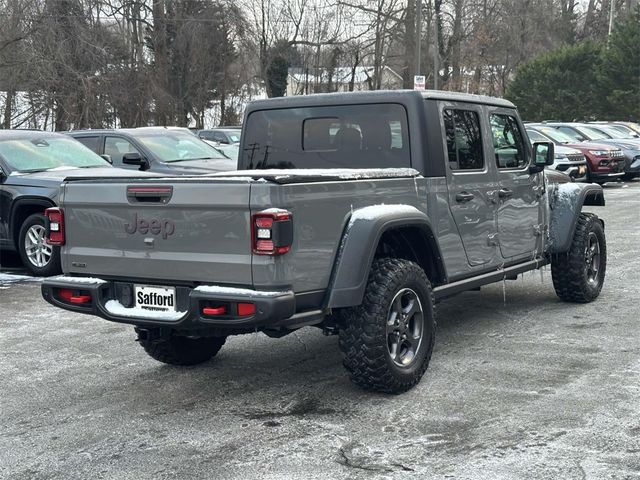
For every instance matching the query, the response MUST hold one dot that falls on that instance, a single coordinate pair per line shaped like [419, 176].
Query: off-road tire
[176, 350]
[363, 333]
[569, 270]
[52, 267]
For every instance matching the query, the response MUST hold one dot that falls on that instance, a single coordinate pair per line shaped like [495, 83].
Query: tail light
[272, 232]
[55, 226]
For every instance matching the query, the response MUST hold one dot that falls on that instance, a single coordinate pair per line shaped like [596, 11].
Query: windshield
[176, 146]
[556, 135]
[592, 133]
[230, 151]
[233, 135]
[614, 132]
[45, 153]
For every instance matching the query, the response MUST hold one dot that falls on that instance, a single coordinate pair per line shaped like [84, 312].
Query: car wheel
[387, 341]
[40, 259]
[176, 350]
[578, 275]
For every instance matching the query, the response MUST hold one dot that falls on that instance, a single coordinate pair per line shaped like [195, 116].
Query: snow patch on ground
[85, 280]
[114, 307]
[374, 211]
[11, 278]
[236, 291]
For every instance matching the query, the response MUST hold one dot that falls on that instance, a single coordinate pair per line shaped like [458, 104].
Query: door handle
[505, 193]
[464, 197]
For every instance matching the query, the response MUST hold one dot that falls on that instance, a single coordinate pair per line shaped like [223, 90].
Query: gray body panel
[210, 241]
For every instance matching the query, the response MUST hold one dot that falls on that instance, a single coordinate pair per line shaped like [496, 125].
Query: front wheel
[387, 341]
[176, 350]
[40, 259]
[578, 275]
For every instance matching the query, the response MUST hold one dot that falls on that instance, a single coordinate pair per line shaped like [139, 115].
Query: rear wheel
[578, 275]
[388, 340]
[177, 350]
[39, 258]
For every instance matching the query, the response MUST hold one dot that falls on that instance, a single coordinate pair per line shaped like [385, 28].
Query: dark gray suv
[166, 150]
[33, 164]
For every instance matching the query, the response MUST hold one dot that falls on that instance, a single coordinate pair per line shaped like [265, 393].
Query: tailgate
[194, 230]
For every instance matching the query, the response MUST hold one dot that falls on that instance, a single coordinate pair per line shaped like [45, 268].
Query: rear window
[354, 136]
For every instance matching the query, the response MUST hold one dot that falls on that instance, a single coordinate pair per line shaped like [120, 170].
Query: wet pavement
[521, 385]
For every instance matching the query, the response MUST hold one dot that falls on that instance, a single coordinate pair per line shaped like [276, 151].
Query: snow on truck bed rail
[340, 173]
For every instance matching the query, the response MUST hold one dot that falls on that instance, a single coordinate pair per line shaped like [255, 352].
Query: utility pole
[436, 52]
[418, 36]
[611, 13]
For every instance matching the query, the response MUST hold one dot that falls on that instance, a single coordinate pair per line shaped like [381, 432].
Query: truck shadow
[302, 374]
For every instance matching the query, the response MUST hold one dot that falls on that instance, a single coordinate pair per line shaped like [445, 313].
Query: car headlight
[561, 157]
[598, 153]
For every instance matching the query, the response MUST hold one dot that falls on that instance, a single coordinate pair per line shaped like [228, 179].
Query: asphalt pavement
[520, 386]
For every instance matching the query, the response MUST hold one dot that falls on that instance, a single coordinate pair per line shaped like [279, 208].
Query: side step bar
[450, 289]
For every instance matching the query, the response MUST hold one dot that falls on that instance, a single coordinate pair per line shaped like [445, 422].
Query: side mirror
[107, 158]
[543, 153]
[134, 158]
[3, 176]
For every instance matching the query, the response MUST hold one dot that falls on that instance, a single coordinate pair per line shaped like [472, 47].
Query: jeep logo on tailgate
[164, 227]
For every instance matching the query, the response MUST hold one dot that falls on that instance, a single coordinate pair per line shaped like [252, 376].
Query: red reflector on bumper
[246, 309]
[67, 294]
[214, 310]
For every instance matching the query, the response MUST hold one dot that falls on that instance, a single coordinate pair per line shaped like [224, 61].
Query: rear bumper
[109, 300]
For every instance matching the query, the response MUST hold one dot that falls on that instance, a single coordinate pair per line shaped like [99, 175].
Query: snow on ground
[6, 278]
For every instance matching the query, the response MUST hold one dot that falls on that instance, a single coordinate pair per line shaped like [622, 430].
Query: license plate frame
[164, 299]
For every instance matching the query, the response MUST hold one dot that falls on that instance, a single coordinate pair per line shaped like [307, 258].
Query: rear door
[471, 182]
[519, 213]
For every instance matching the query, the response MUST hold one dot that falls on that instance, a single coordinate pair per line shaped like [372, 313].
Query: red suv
[605, 162]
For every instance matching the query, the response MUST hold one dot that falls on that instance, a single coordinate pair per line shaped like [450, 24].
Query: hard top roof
[130, 131]
[375, 96]
[21, 134]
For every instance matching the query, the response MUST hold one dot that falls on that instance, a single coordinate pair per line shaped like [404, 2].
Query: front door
[471, 183]
[519, 213]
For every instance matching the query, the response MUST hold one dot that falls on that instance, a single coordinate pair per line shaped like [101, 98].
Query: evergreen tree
[619, 74]
[560, 85]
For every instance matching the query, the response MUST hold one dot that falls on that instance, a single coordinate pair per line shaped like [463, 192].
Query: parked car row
[33, 164]
[611, 150]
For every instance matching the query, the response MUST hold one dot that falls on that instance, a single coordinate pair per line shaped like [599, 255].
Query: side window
[220, 137]
[508, 141]
[116, 147]
[464, 139]
[572, 133]
[92, 143]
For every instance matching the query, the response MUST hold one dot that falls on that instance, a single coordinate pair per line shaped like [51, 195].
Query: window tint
[116, 147]
[575, 136]
[207, 135]
[90, 142]
[464, 139]
[357, 136]
[536, 137]
[508, 142]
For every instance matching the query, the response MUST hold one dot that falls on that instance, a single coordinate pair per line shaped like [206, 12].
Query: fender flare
[25, 201]
[566, 202]
[357, 249]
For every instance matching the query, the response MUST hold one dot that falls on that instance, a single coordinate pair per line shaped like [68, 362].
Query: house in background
[302, 81]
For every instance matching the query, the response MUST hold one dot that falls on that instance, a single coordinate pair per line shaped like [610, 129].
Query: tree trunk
[8, 108]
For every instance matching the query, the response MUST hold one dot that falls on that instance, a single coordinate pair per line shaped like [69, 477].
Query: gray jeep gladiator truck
[352, 212]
